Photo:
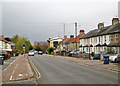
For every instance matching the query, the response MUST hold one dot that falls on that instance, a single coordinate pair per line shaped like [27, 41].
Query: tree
[19, 41]
[38, 48]
[15, 38]
[50, 49]
[31, 47]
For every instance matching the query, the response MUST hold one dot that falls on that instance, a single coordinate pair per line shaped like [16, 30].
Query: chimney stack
[71, 36]
[81, 31]
[115, 21]
[100, 25]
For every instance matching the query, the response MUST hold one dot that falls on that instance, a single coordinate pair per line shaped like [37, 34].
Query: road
[59, 71]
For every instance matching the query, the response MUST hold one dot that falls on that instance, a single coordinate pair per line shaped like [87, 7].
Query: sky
[41, 19]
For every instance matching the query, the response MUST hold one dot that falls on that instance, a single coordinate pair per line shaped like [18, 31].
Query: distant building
[4, 45]
[69, 44]
[41, 43]
[53, 41]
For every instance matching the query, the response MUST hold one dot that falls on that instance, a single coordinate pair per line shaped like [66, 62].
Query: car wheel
[115, 60]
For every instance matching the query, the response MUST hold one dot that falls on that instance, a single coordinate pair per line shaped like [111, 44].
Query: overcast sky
[40, 19]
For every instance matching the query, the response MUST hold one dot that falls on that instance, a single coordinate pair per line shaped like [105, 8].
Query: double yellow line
[38, 75]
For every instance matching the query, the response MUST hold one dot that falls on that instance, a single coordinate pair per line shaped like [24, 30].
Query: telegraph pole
[64, 39]
[76, 35]
[64, 29]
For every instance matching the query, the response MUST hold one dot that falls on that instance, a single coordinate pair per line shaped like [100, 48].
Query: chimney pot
[81, 31]
[115, 21]
[100, 25]
[71, 36]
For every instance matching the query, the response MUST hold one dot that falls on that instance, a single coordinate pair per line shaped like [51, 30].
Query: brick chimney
[115, 21]
[81, 31]
[71, 36]
[65, 37]
[100, 25]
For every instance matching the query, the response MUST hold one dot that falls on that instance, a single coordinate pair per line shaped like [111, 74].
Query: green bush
[50, 49]
[96, 57]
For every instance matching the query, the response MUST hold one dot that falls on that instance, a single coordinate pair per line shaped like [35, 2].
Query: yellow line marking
[36, 70]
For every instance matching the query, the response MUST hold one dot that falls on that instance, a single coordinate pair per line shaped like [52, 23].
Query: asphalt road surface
[59, 71]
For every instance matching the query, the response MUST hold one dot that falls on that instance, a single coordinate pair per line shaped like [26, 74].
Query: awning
[80, 46]
[98, 45]
[104, 44]
[91, 45]
[114, 44]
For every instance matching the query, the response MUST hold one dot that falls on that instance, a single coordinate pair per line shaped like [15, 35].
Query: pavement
[95, 63]
[55, 70]
[17, 69]
[8, 62]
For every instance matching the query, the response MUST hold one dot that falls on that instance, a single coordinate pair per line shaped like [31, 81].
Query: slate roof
[4, 40]
[77, 38]
[103, 31]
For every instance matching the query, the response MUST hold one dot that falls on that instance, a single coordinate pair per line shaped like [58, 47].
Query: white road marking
[13, 72]
[20, 75]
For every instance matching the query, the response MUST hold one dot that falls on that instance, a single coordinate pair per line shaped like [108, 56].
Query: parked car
[1, 60]
[114, 58]
[35, 52]
[31, 53]
[4, 55]
[118, 58]
[40, 52]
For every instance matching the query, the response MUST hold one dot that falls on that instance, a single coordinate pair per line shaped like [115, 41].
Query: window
[90, 49]
[99, 49]
[116, 37]
[105, 39]
[87, 49]
[91, 40]
[111, 38]
[96, 39]
[99, 39]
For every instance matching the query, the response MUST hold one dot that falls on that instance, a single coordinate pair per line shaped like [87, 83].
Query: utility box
[106, 59]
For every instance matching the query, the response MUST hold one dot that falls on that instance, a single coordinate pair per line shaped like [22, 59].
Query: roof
[4, 40]
[76, 39]
[103, 31]
[60, 42]
[66, 40]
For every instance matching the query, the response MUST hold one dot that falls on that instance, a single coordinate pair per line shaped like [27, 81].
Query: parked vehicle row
[101, 54]
[32, 53]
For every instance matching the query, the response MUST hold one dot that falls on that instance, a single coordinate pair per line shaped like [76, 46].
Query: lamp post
[76, 36]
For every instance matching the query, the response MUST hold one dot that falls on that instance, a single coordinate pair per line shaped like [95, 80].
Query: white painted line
[20, 75]
[13, 72]
[10, 64]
